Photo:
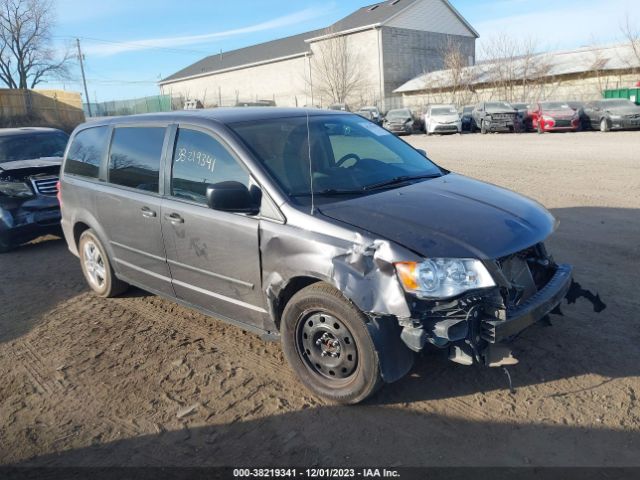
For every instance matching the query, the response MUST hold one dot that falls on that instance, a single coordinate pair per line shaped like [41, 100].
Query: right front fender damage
[361, 269]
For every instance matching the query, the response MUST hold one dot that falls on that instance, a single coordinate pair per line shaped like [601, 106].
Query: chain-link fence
[155, 103]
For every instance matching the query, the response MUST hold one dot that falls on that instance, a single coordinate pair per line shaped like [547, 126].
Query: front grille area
[563, 123]
[46, 185]
[502, 116]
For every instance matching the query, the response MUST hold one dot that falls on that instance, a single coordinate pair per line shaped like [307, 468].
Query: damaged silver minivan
[319, 229]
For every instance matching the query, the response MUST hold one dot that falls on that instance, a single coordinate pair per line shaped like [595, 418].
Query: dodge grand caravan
[316, 228]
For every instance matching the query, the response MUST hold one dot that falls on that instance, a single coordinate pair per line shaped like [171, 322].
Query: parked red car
[554, 116]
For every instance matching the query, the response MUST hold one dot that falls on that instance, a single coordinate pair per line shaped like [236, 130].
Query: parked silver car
[442, 119]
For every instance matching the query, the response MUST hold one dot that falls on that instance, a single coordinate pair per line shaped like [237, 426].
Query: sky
[128, 45]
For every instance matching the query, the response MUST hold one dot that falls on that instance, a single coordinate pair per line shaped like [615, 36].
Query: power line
[142, 45]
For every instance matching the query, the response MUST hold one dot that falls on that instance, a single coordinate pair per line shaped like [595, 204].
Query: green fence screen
[155, 103]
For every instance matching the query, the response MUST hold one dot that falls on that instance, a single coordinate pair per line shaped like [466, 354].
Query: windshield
[555, 105]
[498, 105]
[349, 154]
[444, 111]
[398, 114]
[32, 146]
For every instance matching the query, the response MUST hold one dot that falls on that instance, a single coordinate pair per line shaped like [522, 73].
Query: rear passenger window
[86, 152]
[198, 160]
[134, 160]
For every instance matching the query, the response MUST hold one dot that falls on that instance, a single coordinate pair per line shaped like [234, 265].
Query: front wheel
[326, 342]
[604, 125]
[96, 267]
[484, 127]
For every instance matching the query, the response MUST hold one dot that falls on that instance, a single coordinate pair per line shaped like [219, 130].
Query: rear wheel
[326, 342]
[96, 267]
[604, 125]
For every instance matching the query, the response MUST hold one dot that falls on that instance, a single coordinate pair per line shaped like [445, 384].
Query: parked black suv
[30, 161]
[494, 117]
[316, 228]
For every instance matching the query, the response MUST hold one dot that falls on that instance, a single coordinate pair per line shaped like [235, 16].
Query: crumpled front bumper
[531, 310]
[469, 326]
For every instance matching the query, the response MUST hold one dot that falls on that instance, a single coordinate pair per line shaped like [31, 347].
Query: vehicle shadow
[360, 436]
[35, 278]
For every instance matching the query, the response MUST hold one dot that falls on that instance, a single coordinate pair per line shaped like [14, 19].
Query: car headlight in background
[443, 277]
[16, 189]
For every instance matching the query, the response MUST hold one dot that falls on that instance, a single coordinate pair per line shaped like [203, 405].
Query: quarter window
[86, 152]
[199, 160]
[134, 160]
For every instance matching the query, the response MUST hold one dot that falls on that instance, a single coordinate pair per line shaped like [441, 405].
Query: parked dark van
[316, 228]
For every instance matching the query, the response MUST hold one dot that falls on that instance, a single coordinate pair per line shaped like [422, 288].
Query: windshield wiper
[328, 191]
[397, 180]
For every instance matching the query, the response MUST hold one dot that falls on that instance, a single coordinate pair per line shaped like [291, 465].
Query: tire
[318, 319]
[483, 127]
[604, 125]
[540, 130]
[96, 267]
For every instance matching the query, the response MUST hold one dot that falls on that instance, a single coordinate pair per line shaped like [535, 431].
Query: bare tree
[26, 55]
[631, 32]
[514, 67]
[458, 71]
[337, 69]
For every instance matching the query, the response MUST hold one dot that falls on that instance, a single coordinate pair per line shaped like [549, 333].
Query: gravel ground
[138, 380]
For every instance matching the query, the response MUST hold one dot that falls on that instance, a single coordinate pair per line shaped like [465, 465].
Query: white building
[393, 41]
[580, 74]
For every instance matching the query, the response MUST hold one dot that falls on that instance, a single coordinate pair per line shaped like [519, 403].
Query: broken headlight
[15, 189]
[443, 277]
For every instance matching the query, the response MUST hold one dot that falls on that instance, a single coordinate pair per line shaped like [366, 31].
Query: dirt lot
[139, 380]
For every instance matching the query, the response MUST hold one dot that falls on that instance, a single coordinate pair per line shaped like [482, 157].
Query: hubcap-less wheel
[326, 345]
[94, 264]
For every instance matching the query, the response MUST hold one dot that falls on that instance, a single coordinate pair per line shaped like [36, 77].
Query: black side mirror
[422, 152]
[232, 197]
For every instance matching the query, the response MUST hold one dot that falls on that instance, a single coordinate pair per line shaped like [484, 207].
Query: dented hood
[449, 216]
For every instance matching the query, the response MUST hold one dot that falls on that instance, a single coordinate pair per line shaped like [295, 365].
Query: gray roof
[371, 15]
[282, 47]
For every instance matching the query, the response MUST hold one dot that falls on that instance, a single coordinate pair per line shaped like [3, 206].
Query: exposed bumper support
[532, 310]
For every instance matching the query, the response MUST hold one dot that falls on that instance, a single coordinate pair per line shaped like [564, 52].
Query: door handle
[147, 212]
[174, 218]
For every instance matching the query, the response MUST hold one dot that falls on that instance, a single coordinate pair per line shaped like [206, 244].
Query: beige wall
[363, 46]
[285, 81]
[563, 88]
[46, 108]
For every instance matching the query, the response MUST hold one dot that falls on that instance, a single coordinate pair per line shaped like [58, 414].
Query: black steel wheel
[326, 345]
[326, 341]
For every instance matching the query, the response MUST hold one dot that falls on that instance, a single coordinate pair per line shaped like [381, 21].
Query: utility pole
[84, 80]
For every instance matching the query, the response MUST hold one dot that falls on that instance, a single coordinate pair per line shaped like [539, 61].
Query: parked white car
[442, 119]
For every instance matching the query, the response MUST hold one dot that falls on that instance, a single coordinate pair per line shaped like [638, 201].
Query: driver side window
[199, 160]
